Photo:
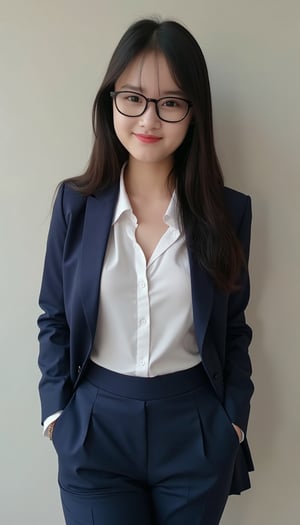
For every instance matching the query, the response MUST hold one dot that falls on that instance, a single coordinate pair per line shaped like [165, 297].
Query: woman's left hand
[239, 432]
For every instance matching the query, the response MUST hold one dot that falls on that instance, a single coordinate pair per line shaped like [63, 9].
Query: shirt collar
[171, 217]
[123, 203]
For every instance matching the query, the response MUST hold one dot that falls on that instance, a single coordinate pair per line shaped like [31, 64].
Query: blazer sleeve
[238, 385]
[55, 386]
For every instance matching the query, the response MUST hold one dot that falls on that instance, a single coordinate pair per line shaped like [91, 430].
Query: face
[147, 138]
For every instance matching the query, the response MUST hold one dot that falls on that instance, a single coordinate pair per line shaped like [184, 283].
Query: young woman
[145, 386]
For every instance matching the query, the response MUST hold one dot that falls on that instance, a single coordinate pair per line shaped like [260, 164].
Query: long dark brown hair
[197, 173]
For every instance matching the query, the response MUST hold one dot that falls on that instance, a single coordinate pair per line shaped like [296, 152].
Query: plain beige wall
[52, 57]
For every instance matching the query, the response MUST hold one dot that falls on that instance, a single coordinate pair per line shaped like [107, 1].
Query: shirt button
[142, 363]
[142, 322]
[142, 284]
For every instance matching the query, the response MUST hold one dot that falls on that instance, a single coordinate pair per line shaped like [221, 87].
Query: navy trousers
[144, 451]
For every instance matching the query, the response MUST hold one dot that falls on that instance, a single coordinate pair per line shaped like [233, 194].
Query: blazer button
[78, 369]
[216, 376]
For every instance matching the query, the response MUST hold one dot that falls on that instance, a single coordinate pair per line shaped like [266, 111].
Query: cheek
[118, 125]
[115, 120]
[122, 124]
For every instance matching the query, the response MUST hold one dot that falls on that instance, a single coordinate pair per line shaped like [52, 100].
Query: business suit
[70, 293]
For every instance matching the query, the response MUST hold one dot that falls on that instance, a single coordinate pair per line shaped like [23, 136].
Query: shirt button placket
[143, 315]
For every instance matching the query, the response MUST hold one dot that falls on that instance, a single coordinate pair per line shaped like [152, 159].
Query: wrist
[50, 430]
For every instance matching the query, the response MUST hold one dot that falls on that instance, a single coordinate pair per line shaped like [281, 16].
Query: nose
[150, 118]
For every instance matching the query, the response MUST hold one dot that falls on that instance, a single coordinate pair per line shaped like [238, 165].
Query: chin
[149, 157]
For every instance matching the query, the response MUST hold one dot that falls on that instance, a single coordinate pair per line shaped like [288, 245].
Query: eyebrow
[139, 89]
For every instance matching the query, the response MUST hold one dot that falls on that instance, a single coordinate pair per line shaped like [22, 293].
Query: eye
[172, 103]
[133, 98]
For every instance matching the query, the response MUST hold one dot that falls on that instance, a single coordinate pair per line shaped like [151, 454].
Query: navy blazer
[69, 297]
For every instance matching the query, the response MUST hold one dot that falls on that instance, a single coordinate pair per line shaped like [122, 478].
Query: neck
[148, 179]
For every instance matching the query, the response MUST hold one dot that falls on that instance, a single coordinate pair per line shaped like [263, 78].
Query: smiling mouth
[147, 139]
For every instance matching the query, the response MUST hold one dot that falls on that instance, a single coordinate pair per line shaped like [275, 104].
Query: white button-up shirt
[145, 321]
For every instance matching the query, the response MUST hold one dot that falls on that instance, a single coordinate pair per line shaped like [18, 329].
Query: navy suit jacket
[69, 297]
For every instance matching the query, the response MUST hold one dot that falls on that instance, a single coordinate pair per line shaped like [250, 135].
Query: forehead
[149, 73]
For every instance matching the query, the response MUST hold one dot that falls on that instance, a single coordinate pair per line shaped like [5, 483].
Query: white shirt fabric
[145, 321]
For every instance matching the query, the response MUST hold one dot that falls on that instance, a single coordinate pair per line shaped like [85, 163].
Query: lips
[147, 139]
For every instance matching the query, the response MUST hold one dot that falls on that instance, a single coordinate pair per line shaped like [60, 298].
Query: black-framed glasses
[168, 109]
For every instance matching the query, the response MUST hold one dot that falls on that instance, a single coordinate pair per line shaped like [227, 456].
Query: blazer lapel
[96, 229]
[202, 298]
